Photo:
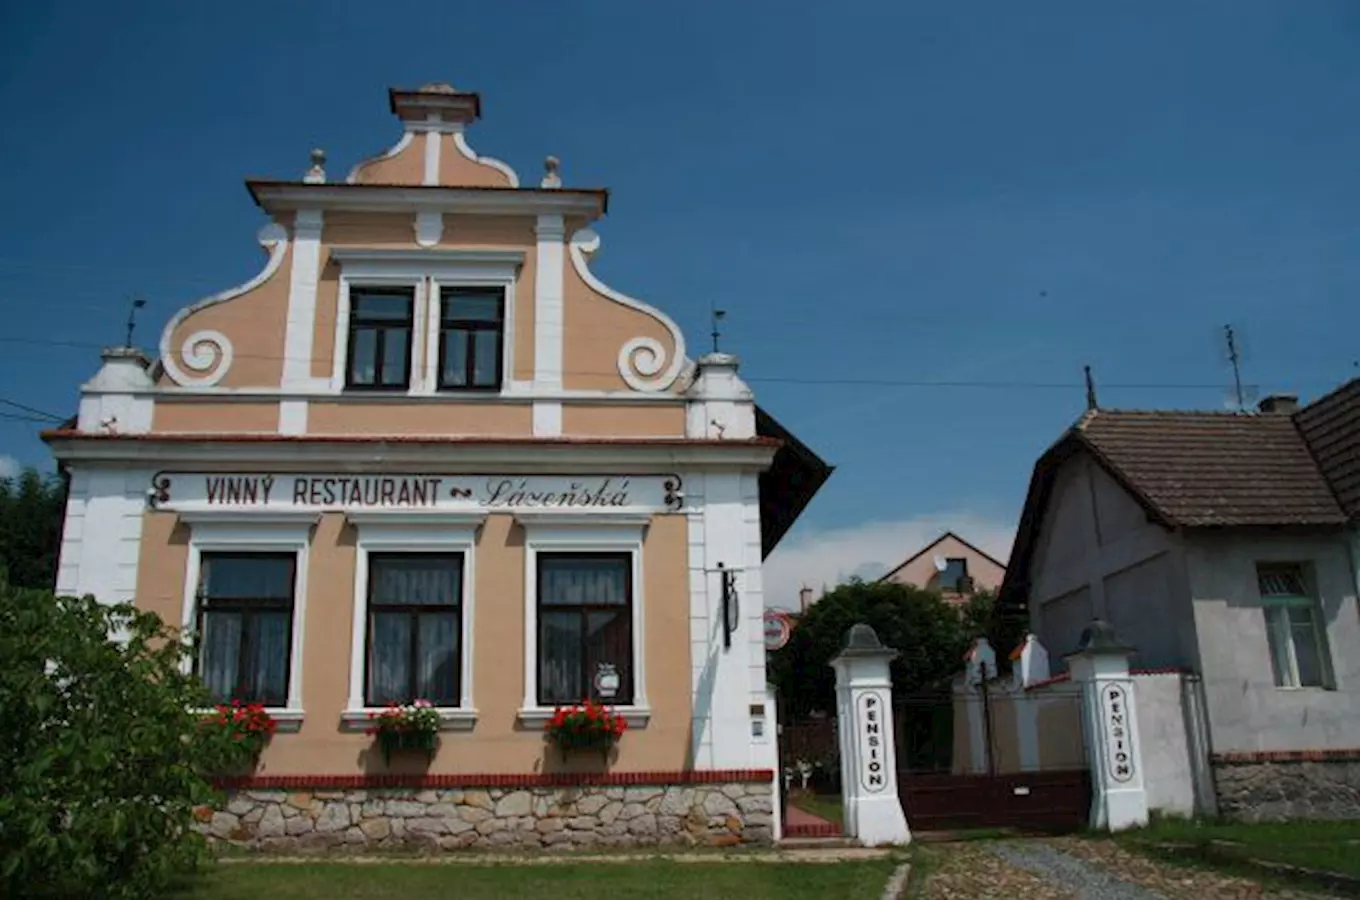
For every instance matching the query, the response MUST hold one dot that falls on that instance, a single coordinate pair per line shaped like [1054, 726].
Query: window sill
[452, 718]
[537, 717]
[287, 719]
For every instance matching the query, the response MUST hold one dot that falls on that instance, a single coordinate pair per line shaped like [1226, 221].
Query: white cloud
[831, 556]
[9, 467]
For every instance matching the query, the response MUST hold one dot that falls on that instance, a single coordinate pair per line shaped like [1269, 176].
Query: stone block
[426, 797]
[582, 823]
[268, 796]
[474, 814]
[223, 824]
[716, 804]
[631, 811]
[490, 826]
[329, 795]
[755, 805]
[519, 803]
[240, 805]
[611, 811]
[301, 800]
[545, 826]
[335, 817]
[272, 823]
[733, 791]
[426, 826]
[405, 809]
[591, 804]
[458, 826]
[644, 825]
[298, 825]
[256, 814]
[376, 829]
[479, 799]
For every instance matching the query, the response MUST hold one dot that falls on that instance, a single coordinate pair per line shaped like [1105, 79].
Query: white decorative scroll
[642, 360]
[353, 176]
[210, 351]
[429, 227]
[461, 143]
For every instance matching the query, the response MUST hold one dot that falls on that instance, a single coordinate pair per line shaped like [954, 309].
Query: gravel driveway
[1078, 869]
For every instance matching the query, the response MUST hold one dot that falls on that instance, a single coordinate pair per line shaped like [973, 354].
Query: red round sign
[777, 629]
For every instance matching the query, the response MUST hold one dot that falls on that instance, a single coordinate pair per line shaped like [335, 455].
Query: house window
[245, 623]
[471, 338]
[414, 624]
[380, 338]
[585, 624]
[1293, 627]
[955, 575]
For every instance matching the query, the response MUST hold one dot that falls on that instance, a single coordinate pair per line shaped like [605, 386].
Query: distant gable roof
[1201, 469]
[1331, 426]
[935, 543]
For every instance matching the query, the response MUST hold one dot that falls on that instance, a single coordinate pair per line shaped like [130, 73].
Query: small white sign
[1114, 714]
[873, 743]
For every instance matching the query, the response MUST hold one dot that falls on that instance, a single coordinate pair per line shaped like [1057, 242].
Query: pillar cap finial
[1099, 637]
[861, 640]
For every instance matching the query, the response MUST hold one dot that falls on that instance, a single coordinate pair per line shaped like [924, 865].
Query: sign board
[777, 629]
[318, 491]
[1114, 716]
[873, 746]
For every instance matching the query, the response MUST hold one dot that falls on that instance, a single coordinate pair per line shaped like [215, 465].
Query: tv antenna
[134, 303]
[718, 316]
[1241, 395]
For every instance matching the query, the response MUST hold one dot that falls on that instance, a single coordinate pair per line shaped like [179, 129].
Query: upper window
[380, 338]
[955, 575]
[245, 623]
[414, 625]
[471, 337]
[1294, 632]
[585, 628]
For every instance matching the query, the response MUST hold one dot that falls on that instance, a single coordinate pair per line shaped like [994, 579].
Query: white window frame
[426, 271]
[255, 532]
[417, 532]
[557, 532]
[1284, 631]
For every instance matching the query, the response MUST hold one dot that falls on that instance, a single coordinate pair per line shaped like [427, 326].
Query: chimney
[804, 598]
[1279, 403]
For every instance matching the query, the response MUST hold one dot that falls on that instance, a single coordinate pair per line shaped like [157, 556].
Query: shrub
[101, 767]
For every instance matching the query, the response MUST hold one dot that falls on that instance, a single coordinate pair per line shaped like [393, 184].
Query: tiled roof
[1331, 426]
[1214, 469]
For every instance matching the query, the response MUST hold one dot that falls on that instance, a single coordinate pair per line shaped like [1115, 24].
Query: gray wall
[1246, 711]
[1098, 555]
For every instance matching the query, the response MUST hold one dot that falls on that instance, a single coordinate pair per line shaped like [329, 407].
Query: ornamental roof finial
[552, 177]
[317, 173]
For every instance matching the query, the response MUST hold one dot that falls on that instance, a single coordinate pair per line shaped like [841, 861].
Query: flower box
[414, 727]
[586, 727]
[236, 735]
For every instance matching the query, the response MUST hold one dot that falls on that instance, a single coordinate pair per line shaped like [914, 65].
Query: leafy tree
[927, 633]
[1003, 629]
[32, 509]
[100, 768]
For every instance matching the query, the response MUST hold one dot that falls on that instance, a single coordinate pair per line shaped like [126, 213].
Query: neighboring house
[427, 454]
[952, 566]
[1224, 545]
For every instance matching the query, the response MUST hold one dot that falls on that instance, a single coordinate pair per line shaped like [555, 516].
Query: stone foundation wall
[1259, 788]
[529, 817]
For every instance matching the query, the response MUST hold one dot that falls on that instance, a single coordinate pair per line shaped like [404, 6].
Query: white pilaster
[1110, 716]
[723, 691]
[300, 330]
[102, 533]
[721, 405]
[873, 810]
[549, 321]
[433, 146]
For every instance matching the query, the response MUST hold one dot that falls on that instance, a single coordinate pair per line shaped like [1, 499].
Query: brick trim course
[437, 782]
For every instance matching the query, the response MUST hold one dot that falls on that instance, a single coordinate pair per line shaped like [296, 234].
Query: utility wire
[29, 409]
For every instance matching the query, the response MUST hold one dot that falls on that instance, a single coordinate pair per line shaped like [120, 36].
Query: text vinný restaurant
[426, 456]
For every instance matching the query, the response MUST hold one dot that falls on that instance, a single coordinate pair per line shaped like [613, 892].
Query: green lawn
[660, 879]
[1328, 846]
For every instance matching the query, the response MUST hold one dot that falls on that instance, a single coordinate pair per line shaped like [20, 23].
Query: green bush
[100, 768]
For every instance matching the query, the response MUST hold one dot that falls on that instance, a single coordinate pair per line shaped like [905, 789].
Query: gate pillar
[1110, 718]
[873, 809]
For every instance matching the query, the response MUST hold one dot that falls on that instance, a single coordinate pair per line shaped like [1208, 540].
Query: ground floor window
[414, 628]
[245, 623]
[585, 627]
[1298, 653]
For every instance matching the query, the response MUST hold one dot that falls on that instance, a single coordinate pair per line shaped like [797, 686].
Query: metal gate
[992, 759]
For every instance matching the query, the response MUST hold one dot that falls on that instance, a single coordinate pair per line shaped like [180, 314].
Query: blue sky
[984, 192]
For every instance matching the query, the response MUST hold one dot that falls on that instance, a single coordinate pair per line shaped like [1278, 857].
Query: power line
[30, 409]
[17, 417]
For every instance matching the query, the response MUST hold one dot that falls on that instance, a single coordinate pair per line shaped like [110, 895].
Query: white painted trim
[553, 518]
[451, 718]
[429, 227]
[406, 138]
[278, 197]
[642, 360]
[300, 326]
[267, 534]
[450, 262]
[549, 303]
[504, 280]
[433, 139]
[211, 351]
[542, 534]
[292, 417]
[516, 391]
[537, 717]
[461, 145]
[547, 419]
[438, 451]
[415, 533]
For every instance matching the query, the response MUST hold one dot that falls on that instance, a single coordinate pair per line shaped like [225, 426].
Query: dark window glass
[954, 576]
[414, 618]
[585, 622]
[472, 338]
[245, 621]
[380, 338]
